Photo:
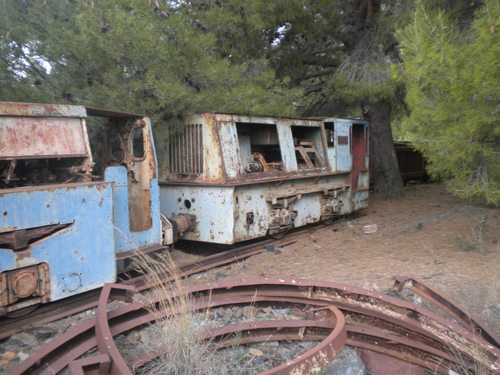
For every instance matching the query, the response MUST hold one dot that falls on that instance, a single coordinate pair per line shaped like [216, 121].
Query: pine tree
[135, 56]
[453, 89]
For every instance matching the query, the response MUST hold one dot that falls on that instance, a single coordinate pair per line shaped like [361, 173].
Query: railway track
[335, 314]
[72, 305]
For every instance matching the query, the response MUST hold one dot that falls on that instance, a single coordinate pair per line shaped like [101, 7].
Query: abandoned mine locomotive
[245, 177]
[72, 217]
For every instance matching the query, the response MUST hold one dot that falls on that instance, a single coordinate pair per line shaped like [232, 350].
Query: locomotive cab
[69, 216]
[241, 177]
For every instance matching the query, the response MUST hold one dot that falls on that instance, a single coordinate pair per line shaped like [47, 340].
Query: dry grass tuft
[478, 237]
[179, 335]
[464, 367]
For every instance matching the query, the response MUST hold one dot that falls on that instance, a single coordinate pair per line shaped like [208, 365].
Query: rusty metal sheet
[41, 110]
[59, 110]
[29, 138]
[92, 111]
[381, 364]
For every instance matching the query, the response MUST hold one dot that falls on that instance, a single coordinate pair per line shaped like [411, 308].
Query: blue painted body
[81, 257]
[124, 238]
[95, 222]
[344, 157]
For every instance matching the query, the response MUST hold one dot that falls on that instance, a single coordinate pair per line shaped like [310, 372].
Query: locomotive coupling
[182, 223]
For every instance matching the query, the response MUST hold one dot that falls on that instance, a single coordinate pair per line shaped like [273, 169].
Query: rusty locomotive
[240, 177]
[72, 217]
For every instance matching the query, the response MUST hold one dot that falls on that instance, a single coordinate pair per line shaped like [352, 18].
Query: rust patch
[27, 282]
[381, 364]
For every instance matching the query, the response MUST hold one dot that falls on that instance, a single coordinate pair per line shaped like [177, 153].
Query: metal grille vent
[186, 150]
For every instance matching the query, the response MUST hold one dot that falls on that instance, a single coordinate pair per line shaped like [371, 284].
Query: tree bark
[384, 171]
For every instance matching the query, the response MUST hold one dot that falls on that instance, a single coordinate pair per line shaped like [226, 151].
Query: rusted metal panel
[343, 146]
[287, 153]
[136, 216]
[224, 151]
[360, 199]
[231, 214]
[232, 117]
[51, 211]
[230, 149]
[41, 110]
[212, 206]
[99, 112]
[125, 237]
[381, 364]
[29, 137]
[252, 156]
[212, 155]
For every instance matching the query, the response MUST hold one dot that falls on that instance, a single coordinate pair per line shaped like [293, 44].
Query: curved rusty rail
[410, 332]
[258, 331]
[105, 342]
[390, 309]
[447, 304]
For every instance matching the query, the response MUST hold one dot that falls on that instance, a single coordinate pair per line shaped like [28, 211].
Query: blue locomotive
[67, 221]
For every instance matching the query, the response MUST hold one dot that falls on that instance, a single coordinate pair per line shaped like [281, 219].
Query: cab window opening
[259, 147]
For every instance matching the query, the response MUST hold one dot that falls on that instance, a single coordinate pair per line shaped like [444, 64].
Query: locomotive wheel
[22, 312]
[279, 235]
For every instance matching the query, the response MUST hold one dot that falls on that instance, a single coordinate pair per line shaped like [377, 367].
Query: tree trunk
[384, 171]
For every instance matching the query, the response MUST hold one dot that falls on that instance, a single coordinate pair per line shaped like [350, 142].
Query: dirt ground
[451, 244]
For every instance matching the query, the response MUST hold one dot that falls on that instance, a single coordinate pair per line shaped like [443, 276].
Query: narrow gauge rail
[72, 305]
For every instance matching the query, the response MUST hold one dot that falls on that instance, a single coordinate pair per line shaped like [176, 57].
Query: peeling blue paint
[85, 248]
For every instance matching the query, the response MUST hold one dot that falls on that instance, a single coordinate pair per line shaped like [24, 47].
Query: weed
[477, 243]
[342, 226]
[465, 245]
[180, 334]
[395, 193]
[482, 232]
[464, 366]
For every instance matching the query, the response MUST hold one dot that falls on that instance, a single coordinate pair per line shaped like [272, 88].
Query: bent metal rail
[334, 313]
